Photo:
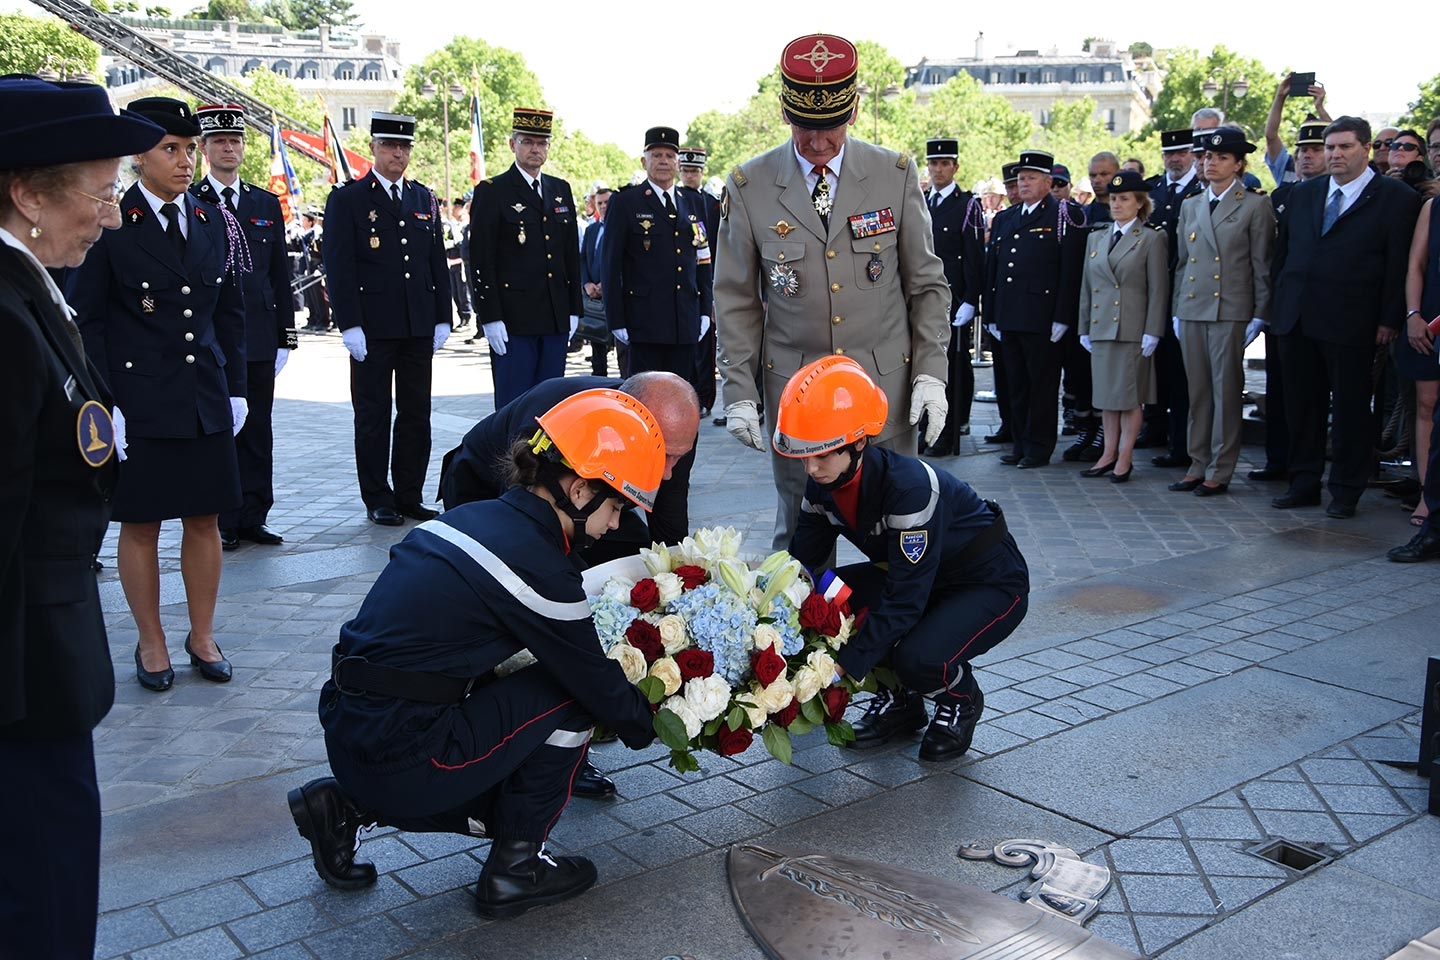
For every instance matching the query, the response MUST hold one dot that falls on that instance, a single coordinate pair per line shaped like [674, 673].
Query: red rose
[645, 595]
[837, 698]
[645, 637]
[768, 664]
[813, 611]
[786, 715]
[695, 663]
[860, 616]
[831, 626]
[691, 576]
[733, 741]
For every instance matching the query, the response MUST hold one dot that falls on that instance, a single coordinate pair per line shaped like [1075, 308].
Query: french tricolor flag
[832, 588]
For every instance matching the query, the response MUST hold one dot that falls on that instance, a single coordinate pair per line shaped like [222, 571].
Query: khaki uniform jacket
[880, 299]
[1123, 293]
[1223, 264]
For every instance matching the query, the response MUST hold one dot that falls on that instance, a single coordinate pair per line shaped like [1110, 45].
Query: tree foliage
[991, 132]
[280, 93]
[1425, 107]
[45, 45]
[309, 14]
[1183, 93]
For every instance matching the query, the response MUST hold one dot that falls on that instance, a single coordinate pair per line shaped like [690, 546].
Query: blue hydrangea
[786, 621]
[612, 617]
[721, 624]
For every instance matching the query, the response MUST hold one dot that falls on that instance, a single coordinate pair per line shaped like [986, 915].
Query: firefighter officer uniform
[390, 296]
[692, 179]
[269, 329]
[422, 733]
[943, 580]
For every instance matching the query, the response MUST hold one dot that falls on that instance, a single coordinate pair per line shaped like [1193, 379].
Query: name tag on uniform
[870, 224]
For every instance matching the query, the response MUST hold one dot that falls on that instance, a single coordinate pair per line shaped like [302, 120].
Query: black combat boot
[520, 874]
[953, 728]
[890, 713]
[327, 818]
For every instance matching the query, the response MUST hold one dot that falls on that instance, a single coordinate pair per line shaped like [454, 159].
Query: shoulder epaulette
[1153, 226]
[738, 177]
[1255, 190]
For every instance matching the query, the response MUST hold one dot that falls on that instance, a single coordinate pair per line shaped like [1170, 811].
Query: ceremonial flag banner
[283, 182]
[339, 164]
[477, 142]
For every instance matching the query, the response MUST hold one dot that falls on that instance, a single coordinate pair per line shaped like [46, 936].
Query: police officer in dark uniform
[390, 296]
[692, 183]
[958, 225]
[57, 683]
[269, 315]
[991, 341]
[423, 731]
[943, 580]
[525, 263]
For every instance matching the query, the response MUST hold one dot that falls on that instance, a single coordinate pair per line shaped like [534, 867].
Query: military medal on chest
[874, 268]
[147, 304]
[784, 280]
[374, 240]
[520, 237]
[645, 225]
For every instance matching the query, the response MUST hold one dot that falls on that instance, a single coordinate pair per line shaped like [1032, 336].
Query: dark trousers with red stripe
[508, 759]
[959, 624]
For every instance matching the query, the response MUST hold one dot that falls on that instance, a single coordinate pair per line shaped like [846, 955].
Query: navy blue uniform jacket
[918, 523]
[385, 270]
[959, 233]
[657, 294]
[269, 307]
[168, 334]
[1033, 272]
[1166, 209]
[462, 608]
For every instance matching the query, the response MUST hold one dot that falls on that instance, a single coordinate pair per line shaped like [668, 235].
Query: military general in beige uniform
[836, 233]
[1224, 241]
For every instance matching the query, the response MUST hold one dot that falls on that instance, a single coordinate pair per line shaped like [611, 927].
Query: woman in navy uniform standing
[57, 196]
[421, 733]
[160, 306]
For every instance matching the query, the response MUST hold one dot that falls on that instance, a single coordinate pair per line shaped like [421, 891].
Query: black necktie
[395, 193]
[1214, 202]
[172, 227]
[1115, 236]
[536, 185]
[229, 194]
[934, 199]
[669, 207]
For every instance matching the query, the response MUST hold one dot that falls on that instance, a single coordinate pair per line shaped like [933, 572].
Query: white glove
[118, 419]
[994, 331]
[622, 335]
[1175, 322]
[1253, 329]
[574, 325]
[1085, 342]
[963, 314]
[282, 357]
[496, 336]
[1148, 345]
[239, 410]
[743, 421]
[442, 333]
[927, 396]
[1057, 330]
[704, 327]
[354, 340]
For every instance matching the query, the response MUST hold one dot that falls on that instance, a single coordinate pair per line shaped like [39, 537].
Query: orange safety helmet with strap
[828, 404]
[605, 435]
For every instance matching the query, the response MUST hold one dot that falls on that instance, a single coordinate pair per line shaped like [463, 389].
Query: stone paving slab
[1385, 658]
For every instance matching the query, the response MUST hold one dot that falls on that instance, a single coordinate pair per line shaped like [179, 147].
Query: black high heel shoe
[1099, 471]
[1122, 477]
[158, 680]
[216, 671]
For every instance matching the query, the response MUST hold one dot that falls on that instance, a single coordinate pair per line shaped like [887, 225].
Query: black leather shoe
[1030, 463]
[943, 448]
[890, 713]
[1000, 436]
[262, 535]
[158, 680]
[591, 784]
[1205, 490]
[1123, 477]
[963, 429]
[1098, 471]
[1339, 510]
[1425, 545]
[1290, 499]
[229, 540]
[216, 671]
[417, 511]
[1170, 460]
[1010, 459]
[951, 732]
[1086, 449]
[330, 822]
[385, 516]
[1269, 473]
[1186, 484]
[520, 874]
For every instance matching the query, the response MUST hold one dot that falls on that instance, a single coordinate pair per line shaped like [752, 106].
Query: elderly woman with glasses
[57, 198]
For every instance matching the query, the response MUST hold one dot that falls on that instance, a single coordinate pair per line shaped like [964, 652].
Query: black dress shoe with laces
[326, 818]
[1170, 460]
[261, 534]
[591, 784]
[216, 671]
[1425, 545]
[229, 540]
[385, 516]
[157, 680]
[1340, 510]
[951, 732]
[1290, 499]
[521, 874]
[1267, 473]
[1030, 463]
[889, 713]
[417, 511]
[1010, 459]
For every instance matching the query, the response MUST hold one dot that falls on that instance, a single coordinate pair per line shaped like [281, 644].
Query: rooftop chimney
[980, 45]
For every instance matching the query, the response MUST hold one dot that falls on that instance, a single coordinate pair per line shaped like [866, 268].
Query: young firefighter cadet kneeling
[943, 582]
[421, 733]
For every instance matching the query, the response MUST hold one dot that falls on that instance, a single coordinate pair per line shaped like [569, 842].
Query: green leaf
[671, 730]
[813, 710]
[683, 761]
[777, 741]
[653, 688]
[736, 720]
[835, 735]
[847, 732]
[868, 685]
[800, 726]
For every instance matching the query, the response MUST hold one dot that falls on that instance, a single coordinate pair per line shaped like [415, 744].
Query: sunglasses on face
[1382, 144]
[1404, 147]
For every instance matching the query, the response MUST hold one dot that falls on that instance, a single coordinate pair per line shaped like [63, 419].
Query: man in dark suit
[958, 226]
[692, 182]
[592, 273]
[525, 262]
[390, 296]
[1339, 272]
[269, 315]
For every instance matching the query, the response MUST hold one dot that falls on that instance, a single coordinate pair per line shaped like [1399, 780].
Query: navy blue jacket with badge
[269, 307]
[1165, 210]
[385, 269]
[460, 595]
[658, 282]
[958, 227]
[917, 522]
[1034, 270]
[168, 334]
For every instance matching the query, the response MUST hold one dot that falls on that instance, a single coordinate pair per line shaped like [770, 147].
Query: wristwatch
[1411, 314]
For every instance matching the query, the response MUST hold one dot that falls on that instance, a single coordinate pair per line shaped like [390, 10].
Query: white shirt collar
[1184, 181]
[833, 166]
[219, 187]
[10, 240]
[674, 197]
[156, 203]
[1350, 190]
[387, 184]
[529, 180]
[945, 193]
[1124, 228]
[1211, 194]
[1028, 208]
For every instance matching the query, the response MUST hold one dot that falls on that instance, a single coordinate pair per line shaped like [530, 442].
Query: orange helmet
[606, 435]
[826, 405]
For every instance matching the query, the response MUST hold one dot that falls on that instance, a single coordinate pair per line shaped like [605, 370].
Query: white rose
[657, 559]
[775, 697]
[668, 672]
[681, 709]
[757, 714]
[673, 634]
[822, 663]
[632, 661]
[765, 635]
[618, 588]
[708, 696]
[797, 592]
[808, 683]
[847, 624]
[670, 587]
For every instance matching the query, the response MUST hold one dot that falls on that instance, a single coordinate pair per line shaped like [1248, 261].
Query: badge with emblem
[783, 229]
[373, 216]
[913, 543]
[375, 243]
[784, 280]
[147, 304]
[200, 214]
[645, 225]
[864, 225]
[1191, 238]
[134, 214]
[874, 268]
[95, 433]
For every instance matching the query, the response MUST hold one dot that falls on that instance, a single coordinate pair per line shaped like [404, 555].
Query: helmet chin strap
[847, 474]
[581, 538]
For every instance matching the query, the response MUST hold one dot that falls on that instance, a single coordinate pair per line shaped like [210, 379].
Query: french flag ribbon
[832, 588]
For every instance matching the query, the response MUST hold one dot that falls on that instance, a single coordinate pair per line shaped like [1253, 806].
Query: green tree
[583, 161]
[733, 138]
[226, 9]
[1074, 134]
[1183, 92]
[279, 92]
[309, 14]
[1141, 49]
[1426, 107]
[991, 132]
[45, 45]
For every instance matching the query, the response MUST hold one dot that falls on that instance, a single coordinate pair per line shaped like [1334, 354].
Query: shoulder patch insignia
[738, 177]
[913, 544]
[901, 162]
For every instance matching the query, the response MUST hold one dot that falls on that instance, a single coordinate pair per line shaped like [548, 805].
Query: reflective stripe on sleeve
[507, 578]
[921, 518]
[568, 739]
